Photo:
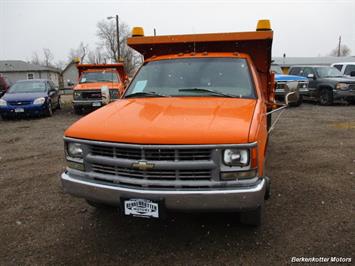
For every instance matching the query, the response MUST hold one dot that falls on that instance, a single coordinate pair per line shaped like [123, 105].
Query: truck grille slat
[152, 154]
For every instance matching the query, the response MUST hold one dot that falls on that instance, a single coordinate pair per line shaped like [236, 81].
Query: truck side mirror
[352, 74]
[311, 76]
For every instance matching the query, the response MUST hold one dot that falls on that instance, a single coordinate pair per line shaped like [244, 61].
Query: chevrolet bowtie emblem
[143, 165]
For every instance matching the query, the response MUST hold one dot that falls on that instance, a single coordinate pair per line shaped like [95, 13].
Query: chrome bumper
[228, 199]
[88, 103]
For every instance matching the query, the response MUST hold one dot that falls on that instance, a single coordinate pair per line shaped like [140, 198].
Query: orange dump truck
[189, 134]
[92, 78]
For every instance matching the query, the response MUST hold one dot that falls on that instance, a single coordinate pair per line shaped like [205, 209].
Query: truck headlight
[342, 86]
[236, 157]
[76, 94]
[39, 101]
[3, 102]
[75, 150]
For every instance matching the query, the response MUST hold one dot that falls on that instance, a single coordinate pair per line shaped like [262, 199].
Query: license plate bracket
[96, 104]
[19, 110]
[143, 208]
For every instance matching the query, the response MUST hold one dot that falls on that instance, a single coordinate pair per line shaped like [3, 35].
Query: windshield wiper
[209, 91]
[144, 94]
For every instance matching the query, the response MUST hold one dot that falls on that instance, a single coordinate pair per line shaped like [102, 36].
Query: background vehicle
[326, 84]
[5, 84]
[346, 69]
[281, 81]
[30, 97]
[92, 77]
[190, 133]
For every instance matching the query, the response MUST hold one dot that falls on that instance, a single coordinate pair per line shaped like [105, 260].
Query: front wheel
[49, 110]
[78, 110]
[298, 102]
[59, 105]
[252, 217]
[326, 97]
[97, 205]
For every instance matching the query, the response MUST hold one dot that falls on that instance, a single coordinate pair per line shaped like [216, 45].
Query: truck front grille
[19, 103]
[90, 94]
[152, 174]
[152, 153]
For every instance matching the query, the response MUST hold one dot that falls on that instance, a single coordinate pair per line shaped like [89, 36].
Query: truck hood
[97, 85]
[339, 79]
[30, 96]
[281, 77]
[185, 120]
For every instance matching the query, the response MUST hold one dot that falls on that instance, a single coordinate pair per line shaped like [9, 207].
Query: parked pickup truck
[189, 134]
[346, 69]
[326, 84]
[281, 81]
[87, 94]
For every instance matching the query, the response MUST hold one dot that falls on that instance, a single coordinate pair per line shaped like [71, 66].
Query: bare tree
[106, 32]
[47, 57]
[80, 52]
[35, 59]
[95, 56]
[344, 51]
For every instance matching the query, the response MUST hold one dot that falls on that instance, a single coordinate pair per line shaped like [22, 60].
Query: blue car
[281, 81]
[30, 97]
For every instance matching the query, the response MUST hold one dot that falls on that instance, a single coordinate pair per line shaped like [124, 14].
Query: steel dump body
[256, 44]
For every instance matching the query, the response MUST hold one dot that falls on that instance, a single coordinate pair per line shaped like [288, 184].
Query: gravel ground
[311, 161]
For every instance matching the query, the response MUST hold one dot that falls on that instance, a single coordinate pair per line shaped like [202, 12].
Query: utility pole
[118, 39]
[339, 45]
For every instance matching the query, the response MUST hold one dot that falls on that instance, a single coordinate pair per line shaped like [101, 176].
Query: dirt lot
[311, 162]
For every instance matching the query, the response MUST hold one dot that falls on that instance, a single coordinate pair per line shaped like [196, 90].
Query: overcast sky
[301, 28]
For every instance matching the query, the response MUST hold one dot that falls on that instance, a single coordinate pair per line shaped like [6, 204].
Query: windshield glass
[277, 69]
[219, 77]
[28, 86]
[102, 76]
[326, 72]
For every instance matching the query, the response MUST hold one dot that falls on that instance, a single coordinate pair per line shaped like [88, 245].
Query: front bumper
[226, 199]
[88, 103]
[339, 94]
[23, 109]
[281, 92]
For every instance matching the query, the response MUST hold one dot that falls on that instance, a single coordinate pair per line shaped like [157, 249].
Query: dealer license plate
[141, 208]
[96, 104]
[19, 110]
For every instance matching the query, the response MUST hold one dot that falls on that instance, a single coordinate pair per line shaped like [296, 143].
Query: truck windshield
[27, 87]
[102, 76]
[212, 77]
[326, 72]
[276, 68]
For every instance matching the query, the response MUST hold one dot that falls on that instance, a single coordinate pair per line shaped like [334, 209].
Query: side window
[307, 71]
[339, 67]
[349, 69]
[30, 76]
[295, 71]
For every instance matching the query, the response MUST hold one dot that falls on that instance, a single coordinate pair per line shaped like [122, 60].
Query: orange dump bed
[256, 44]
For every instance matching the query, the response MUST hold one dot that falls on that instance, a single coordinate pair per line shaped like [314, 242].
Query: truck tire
[325, 97]
[298, 102]
[78, 110]
[268, 121]
[59, 105]
[98, 205]
[49, 111]
[252, 217]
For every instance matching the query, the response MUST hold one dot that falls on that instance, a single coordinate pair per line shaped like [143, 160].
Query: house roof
[22, 66]
[328, 60]
[68, 66]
